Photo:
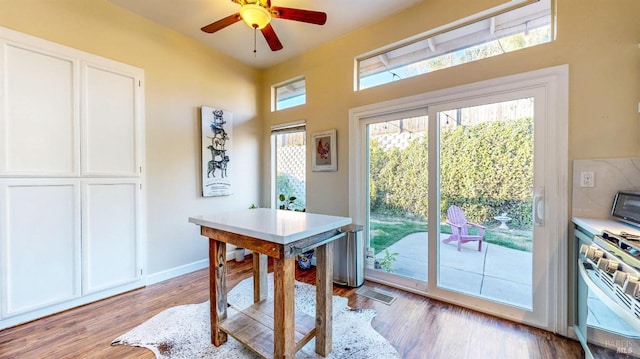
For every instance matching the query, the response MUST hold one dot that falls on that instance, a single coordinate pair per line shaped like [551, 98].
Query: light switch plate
[587, 179]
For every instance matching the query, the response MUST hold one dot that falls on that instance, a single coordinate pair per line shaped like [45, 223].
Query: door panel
[110, 123]
[486, 170]
[39, 122]
[111, 256]
[397, 167]
[40, 243]
[491, 156]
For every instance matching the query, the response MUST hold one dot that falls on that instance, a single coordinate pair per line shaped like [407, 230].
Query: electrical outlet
[587, 179]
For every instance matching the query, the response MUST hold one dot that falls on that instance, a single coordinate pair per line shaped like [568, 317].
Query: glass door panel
[486, 201]
[398, 164]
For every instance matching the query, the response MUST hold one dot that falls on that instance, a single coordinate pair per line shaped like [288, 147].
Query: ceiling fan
[258, 13]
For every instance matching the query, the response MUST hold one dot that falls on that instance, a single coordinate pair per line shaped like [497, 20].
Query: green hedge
[486, 170]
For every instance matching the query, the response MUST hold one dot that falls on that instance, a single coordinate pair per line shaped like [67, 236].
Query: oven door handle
[538, 207]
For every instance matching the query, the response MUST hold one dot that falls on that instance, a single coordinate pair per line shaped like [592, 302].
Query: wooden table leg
[284, 307]
[217, 289]
[324, 299]
[260, 285]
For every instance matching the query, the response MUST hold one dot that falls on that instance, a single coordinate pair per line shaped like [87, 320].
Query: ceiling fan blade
[272, 38]
[222, 23]
[312, 17]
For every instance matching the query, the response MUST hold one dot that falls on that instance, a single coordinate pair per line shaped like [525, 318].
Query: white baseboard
[178, 271]
[185, 269]
[142, 282]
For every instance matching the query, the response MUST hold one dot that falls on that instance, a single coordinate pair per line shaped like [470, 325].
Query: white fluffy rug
[184, 331]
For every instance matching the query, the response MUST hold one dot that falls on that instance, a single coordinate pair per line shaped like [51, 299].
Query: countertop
[278, 226]
[597, 225]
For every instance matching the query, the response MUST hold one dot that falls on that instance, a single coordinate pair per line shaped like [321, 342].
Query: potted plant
[304, 259]
[387, 261]
[285, 203]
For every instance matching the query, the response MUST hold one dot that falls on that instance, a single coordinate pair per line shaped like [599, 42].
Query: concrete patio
[496, 273]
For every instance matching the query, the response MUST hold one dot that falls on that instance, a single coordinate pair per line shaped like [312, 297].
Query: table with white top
[271, 327]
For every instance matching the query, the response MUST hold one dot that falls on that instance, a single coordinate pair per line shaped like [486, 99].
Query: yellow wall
[597, 38]
[180, 76]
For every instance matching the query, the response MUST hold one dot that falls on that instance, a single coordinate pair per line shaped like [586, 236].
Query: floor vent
[376, 294]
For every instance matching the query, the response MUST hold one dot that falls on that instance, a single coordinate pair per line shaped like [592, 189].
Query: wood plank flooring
[416, 326]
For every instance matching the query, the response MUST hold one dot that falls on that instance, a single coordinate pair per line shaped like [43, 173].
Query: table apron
[271, 249]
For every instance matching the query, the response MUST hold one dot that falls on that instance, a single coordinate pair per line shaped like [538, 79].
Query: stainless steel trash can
[348, 260]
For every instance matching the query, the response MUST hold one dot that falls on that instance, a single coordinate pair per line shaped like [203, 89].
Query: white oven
[608, 284]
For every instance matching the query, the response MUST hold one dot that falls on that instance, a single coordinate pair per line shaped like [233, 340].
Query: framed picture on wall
[325, 151]
[217, 158]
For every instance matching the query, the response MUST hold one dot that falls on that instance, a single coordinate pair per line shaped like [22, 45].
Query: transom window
[513, 30]
[288, 94]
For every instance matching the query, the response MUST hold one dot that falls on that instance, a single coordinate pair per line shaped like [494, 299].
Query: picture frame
[217, 151]
[324, 154]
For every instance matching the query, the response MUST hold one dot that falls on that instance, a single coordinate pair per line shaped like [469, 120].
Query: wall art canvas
[325, 151]
[217, 157]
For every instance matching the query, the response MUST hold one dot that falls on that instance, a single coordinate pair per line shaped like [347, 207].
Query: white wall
[181, 75]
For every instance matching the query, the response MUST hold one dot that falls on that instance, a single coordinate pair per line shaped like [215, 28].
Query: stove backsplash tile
[611, 175]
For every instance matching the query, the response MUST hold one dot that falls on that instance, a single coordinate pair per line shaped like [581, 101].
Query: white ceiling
[188, 16]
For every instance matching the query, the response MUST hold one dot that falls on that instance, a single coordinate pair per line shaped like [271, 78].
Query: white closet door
[110, 232]
[39, 242]
[71, 157]
[109, 120]
[39, 122]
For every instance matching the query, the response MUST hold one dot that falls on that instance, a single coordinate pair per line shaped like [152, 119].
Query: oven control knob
[584, 249]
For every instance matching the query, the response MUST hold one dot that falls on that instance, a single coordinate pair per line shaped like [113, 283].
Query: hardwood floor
[416, 326]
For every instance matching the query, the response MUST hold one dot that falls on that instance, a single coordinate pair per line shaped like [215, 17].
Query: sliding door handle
[538, 208]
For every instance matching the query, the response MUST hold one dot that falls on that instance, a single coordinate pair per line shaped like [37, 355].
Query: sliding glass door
[454, 201]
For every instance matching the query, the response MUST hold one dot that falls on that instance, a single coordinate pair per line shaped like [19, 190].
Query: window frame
[446, 29]
[289, 85]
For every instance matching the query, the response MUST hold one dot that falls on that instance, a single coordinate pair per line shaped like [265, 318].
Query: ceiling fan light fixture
[256, 16]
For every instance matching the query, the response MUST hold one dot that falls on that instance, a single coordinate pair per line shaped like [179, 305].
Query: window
[289, 94]
[510, 31]
[289, 154]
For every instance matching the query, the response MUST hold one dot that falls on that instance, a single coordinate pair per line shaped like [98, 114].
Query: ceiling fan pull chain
[255, 31]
